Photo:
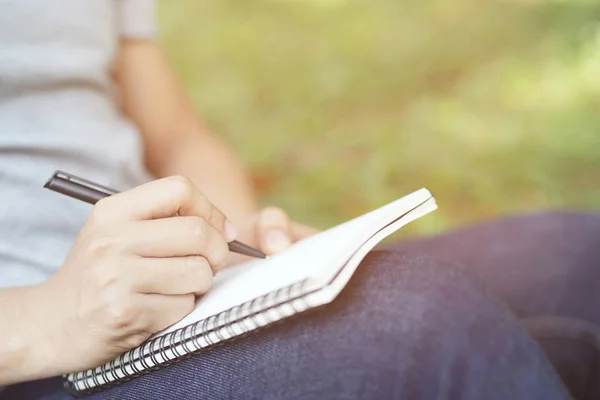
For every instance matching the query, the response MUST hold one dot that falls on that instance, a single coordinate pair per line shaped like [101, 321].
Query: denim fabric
[546, 268]
[410, 326]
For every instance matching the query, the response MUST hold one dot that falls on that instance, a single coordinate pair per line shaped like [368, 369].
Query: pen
[90, 192]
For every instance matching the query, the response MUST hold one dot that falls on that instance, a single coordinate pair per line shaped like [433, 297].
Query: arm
[22, 346]
[176, 143]
[175, 140]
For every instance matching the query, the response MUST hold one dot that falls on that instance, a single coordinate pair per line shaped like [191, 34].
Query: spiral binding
[191, 339]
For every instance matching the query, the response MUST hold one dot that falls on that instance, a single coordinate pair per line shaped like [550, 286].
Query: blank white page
[319, 257]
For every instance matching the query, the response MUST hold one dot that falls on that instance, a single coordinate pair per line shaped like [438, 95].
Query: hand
[134, 270]
[272, 231]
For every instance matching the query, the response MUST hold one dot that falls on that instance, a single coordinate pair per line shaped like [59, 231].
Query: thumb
[274, 230]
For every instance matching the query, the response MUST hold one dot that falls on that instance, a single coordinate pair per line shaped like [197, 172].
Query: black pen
[90, 192]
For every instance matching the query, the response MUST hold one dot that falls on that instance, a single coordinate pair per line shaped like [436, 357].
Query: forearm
[216, 170]
[23, 345]
[175, 141]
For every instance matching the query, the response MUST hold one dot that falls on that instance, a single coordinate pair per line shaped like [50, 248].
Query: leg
[546, 267]
[406, 327]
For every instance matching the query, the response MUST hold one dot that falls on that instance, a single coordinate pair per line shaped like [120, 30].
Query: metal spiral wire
[218, 328]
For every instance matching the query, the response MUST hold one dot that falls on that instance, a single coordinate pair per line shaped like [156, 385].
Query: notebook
[257, 293]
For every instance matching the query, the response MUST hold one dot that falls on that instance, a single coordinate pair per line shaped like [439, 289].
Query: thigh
[541, 264]
[546, 267]
[406, 327]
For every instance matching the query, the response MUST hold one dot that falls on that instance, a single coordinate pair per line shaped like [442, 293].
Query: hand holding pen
[91, 193]
[134, 269]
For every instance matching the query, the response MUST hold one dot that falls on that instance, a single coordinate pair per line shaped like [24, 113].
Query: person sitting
[86, 88]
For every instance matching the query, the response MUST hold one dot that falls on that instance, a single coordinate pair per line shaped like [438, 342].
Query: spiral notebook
[257, 293]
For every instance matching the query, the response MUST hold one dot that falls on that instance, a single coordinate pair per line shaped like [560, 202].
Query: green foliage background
[342, 106]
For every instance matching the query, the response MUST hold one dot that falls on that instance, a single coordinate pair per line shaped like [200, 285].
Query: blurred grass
[341, 106]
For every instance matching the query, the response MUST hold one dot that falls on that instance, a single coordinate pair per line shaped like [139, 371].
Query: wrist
[24, 349]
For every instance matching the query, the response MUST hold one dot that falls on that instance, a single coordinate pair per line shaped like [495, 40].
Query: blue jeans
[451, 317]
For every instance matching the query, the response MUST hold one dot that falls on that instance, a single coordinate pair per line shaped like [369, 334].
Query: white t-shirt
[58, 110]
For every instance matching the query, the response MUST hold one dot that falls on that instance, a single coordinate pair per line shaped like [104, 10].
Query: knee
[387, 280]
[397, 293]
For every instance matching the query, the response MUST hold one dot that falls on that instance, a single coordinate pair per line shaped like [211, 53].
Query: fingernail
[230, 231]
[277, 240]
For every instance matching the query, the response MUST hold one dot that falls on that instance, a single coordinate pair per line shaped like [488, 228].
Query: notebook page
[319, 257]
[339, 282]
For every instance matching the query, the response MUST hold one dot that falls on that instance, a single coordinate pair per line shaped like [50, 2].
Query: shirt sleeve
[137, 19]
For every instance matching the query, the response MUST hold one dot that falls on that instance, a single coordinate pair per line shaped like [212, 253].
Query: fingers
[170, 276]
[160, 312]
[177, 237]
[162, 198]
[274, 230]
